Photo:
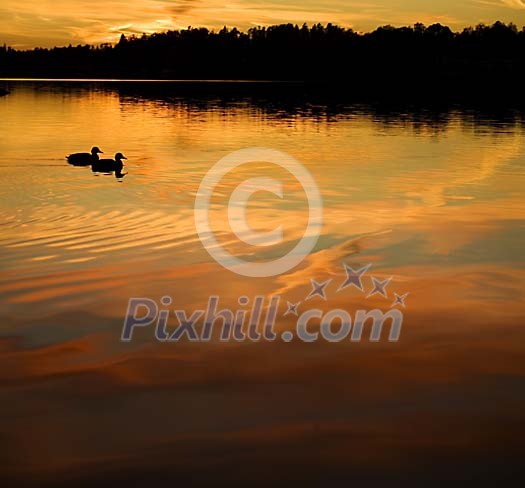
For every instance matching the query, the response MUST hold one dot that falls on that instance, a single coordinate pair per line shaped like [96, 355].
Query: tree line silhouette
[397, 56]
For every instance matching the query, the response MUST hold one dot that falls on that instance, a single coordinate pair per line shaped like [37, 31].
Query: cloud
[520, 4]
[183, 6]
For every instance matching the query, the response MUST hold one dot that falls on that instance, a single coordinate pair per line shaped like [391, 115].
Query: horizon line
[245, 31]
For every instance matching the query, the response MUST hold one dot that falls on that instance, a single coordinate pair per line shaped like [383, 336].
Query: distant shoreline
[418, 58]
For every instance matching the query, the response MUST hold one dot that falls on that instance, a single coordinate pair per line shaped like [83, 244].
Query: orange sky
[30, 23]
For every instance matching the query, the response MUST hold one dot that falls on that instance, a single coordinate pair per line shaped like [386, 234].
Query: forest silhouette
[483, 58]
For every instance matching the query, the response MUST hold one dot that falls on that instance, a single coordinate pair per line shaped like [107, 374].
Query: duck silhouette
[84, 159]
[109, 165]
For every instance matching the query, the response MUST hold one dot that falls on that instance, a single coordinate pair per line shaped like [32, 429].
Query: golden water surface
[431, 197]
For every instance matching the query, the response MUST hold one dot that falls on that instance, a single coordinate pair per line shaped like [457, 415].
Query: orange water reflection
[438, 205]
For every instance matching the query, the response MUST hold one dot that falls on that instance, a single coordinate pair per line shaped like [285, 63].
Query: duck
[109, 165]
[84, 159]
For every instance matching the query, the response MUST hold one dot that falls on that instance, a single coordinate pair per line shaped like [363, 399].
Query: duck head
[119, 157]
[95, 150]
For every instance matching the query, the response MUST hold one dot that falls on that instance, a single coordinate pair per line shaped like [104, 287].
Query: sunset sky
[30, 23]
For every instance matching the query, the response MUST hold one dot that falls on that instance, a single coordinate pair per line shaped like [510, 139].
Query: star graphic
[318, 289]
[353, 277]
[400, 300]
[292, 309]
[379, 287]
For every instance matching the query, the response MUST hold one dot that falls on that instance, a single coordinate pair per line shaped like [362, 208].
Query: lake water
[430, 196]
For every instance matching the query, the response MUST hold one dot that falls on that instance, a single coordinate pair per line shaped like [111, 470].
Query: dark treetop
[483, 59]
